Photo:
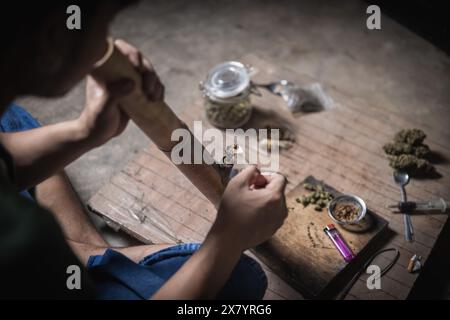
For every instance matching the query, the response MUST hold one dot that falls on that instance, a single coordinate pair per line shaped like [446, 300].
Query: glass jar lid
[226, 80]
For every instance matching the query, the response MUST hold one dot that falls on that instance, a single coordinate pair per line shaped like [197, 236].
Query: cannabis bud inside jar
[226, 93]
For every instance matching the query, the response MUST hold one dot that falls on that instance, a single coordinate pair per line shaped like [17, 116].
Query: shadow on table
[434, 280]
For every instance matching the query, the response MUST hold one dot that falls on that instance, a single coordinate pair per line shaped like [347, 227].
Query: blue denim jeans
[117, 277]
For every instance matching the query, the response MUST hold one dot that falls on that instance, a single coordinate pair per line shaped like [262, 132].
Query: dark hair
[32, 39]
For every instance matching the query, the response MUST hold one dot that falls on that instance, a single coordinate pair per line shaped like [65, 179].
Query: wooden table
[153, 202]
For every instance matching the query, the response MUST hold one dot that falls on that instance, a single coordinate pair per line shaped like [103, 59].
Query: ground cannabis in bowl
[318, 196]
[346, 212]
[408, 152]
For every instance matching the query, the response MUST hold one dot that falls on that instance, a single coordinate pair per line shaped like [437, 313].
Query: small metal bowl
[351, 199]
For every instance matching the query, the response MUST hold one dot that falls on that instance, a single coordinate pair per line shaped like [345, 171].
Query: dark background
[428, 18]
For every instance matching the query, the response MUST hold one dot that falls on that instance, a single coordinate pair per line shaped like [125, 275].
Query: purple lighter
[339, 242]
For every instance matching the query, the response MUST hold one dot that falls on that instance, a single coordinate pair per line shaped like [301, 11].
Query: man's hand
[253, 208]
[102, 118]
[41, 152]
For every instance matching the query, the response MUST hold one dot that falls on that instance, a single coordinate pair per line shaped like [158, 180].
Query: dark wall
[428, 18]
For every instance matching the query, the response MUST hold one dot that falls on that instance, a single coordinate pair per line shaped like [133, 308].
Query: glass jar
[226, 93]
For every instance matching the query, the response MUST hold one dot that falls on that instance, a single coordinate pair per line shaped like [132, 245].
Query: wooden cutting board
[303, 255]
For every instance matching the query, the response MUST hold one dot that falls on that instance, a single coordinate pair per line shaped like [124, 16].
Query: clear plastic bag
[306, 99]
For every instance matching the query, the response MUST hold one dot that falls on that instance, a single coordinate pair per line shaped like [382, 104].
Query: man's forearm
[205, 273]
[41, 152]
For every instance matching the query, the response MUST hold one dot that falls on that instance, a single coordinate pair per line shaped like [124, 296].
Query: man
[41, 57]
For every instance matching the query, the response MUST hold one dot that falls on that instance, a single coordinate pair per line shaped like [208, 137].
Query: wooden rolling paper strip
[158, 121]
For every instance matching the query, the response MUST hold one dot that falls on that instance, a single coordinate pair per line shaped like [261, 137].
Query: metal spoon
[276, 87]
[402, 179]
[296, 98]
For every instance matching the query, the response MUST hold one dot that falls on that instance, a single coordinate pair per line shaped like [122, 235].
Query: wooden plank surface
[153, 202]
[303, 255]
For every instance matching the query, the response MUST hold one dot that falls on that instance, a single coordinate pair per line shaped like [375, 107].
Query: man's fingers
[248, 176]
[147, 65]
[253, 178]
[124, 46]
[134, 57]
[151, 85]
[260, 182]
[93, 88]
[159, 91]
[275, 181]
[148, 84]
[140, 65]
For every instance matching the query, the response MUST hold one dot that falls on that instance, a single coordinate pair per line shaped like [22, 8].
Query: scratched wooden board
[153, 202]
[303, 255]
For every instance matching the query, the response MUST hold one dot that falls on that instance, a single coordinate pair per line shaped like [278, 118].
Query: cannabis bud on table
[408, 152]
[319, 197]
